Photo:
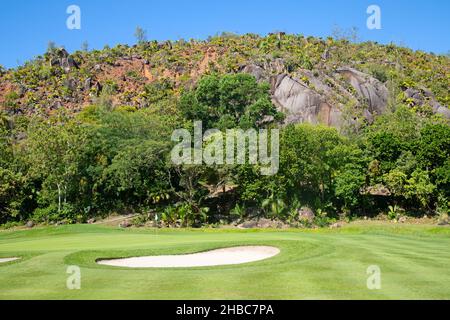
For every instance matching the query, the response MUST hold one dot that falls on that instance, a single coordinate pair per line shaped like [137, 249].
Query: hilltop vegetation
[86, 134]
[131, 75]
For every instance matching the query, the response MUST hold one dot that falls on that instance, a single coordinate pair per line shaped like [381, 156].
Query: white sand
[226, 256]
[2, 260]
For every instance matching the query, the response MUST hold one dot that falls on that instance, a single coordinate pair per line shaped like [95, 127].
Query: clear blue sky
[27, 26]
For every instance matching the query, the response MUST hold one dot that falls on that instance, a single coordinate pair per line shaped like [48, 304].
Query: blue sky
[28, 25]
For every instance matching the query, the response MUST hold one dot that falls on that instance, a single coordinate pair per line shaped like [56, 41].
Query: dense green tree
[318, 167]
[52, 151]
[228, 101]
[138, 173]
[433, 147]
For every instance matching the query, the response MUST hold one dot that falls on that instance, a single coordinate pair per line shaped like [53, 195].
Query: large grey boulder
[373, 91]
[258, 72]
[320, 97]
[314, 97]
[443, 111]
[265, 71]
[275, 66]
[303, 104]
[422, 96]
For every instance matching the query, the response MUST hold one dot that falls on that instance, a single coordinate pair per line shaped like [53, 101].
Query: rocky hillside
[312, 80]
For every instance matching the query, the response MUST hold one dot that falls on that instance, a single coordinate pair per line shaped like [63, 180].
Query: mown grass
[313, 264]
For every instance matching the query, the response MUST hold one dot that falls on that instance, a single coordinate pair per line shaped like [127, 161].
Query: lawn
[315, 264]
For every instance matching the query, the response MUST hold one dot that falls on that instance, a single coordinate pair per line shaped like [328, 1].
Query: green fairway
[316, 264]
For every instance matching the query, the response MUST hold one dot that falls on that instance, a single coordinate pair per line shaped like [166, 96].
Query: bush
[379, 73]
[45, 215]
[11, 101]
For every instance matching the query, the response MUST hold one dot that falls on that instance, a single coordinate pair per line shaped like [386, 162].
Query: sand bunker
[219, 257]
[2, 260]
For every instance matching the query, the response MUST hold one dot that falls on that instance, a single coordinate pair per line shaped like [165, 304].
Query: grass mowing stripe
[317, 264]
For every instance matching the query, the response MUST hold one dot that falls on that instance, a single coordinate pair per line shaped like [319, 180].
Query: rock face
[370, 89]
[302, 104]
[421, 97]
[319, 98]
[314, 97]
[258, 72]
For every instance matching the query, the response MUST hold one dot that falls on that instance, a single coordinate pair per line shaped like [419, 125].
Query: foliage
[394, 212]
[140, 35]
[274, 208]
[228, 101]
[60, 164]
